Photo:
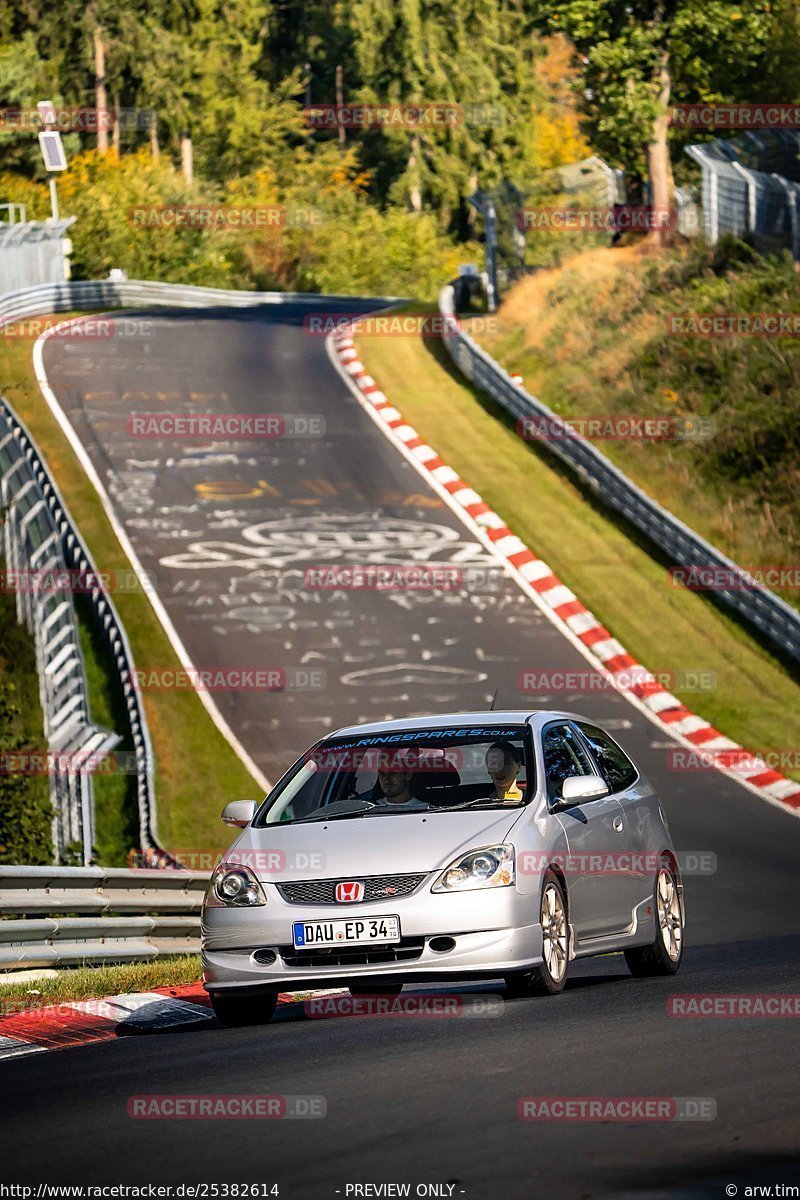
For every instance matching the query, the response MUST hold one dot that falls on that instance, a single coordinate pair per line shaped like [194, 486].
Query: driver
[504, 762]
[394, 780]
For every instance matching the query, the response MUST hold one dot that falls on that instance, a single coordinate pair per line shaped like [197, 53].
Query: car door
[597, 897]
[644, 829]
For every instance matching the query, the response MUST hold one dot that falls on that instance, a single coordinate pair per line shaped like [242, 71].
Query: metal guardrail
[64, 297]
[741, 200]
[770, 616]
[78, 558]
[125, 915]
[33, 541]
[128, 293]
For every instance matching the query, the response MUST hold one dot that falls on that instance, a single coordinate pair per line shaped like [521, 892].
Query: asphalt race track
[228, 531]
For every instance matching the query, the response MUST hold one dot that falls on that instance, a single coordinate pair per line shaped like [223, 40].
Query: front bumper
[491, 930]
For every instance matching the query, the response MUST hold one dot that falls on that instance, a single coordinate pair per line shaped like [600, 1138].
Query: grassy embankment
[86, 983]
[619, 578]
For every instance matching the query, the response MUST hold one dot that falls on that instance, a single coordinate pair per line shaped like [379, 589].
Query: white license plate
[350, 931]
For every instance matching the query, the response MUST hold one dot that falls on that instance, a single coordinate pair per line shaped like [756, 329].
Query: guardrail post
[791, 202]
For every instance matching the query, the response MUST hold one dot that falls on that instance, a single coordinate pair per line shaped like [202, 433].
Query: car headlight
[491, 867]
[234, 887]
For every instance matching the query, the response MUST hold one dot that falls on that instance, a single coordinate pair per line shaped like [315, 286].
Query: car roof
[489, 717]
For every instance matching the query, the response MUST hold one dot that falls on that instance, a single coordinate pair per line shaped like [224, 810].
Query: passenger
[504, 761]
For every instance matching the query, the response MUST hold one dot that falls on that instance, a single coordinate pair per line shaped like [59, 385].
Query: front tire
[243, 1007]
[664, 956]
[549, 976]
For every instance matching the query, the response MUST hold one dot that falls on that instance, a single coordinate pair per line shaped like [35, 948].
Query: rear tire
[549, 976]
[243, 1007]
[375, 989]
[664, 956]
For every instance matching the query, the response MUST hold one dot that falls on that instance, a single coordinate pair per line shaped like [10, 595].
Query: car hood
[383, 845]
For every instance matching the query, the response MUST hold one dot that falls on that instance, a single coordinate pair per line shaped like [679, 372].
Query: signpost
[483, 202]
[52, 151]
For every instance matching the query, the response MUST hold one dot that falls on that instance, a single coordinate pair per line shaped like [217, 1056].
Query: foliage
[104, 193]
[235, 79]
[25, 811]
[714, 50]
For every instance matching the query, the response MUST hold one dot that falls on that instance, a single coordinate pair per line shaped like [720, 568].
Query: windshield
[418, 771]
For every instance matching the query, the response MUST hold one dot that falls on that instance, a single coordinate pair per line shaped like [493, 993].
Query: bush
[25, 810]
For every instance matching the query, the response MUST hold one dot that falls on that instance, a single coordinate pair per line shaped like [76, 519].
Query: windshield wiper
[378, 810]
[324, 815]
[488, 801]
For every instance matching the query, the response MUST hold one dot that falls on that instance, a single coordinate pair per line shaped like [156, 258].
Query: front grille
[406, 950]
[376, 887]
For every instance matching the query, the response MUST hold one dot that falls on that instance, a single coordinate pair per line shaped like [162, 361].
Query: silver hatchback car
[465, 846]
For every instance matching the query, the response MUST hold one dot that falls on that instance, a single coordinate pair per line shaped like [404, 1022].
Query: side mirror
[578, 788]
[239, 813]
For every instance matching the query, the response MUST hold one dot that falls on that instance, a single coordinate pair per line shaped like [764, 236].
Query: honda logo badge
[349, 893]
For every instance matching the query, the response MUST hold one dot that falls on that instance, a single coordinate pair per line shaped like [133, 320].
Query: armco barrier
[776, 621]
[124, 915]
[65, 297]
[34, 546]
[107, 293]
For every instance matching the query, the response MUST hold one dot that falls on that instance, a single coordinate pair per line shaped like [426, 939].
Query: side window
[563, 756]
[615, 766]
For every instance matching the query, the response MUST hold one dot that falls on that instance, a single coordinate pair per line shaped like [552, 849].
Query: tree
[637, 57]
[479, 55]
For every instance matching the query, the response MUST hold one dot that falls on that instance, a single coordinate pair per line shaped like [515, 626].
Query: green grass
[591, 339]
[18, 667]
[755, 700]
[116, 810]
[197, 771]
[25, 809]
[86, 983]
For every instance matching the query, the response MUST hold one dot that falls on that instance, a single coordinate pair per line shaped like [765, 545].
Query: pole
[53, 196]
[100, 90]
[339, 105]
[491, 255]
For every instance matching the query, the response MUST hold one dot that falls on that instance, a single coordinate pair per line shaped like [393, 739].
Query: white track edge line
[166, 623]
